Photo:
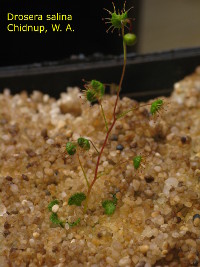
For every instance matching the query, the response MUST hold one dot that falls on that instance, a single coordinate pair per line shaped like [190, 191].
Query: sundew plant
[94, 93]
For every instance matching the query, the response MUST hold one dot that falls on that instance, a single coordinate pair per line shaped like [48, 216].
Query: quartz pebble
[196, 220]
[136, 185]
[157, 168]
[39, 174]
[48, 171]
[169, 183]
[36, 235]
[67, 226]
[144, 248]
[50, 141]
[55, 208]
[120, 147]
[124, 261]
[14, 188]
[113, 137]
[2, 210]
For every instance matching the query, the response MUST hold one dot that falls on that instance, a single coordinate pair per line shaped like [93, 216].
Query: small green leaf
[74, 223]
[117, 19]
[94, 91]
[91, 96]
[156, 106]
[84, 143]
[98, 88]
[109, 207]
[52, 203]
[137, 161]
[71, 148]
[76, 199]
[55, 220]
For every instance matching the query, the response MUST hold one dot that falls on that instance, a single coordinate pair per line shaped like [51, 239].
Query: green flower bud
[129, 39]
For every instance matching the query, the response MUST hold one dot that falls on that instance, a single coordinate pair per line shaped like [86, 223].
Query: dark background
[64, 59]
[89, 36]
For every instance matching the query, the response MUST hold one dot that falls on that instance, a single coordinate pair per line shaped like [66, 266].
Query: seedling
[76, 199]
[94, 93]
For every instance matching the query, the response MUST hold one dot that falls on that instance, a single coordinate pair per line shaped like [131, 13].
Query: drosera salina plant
[94, 93]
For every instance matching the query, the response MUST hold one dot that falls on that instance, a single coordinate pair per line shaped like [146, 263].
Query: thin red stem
[111, 127]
